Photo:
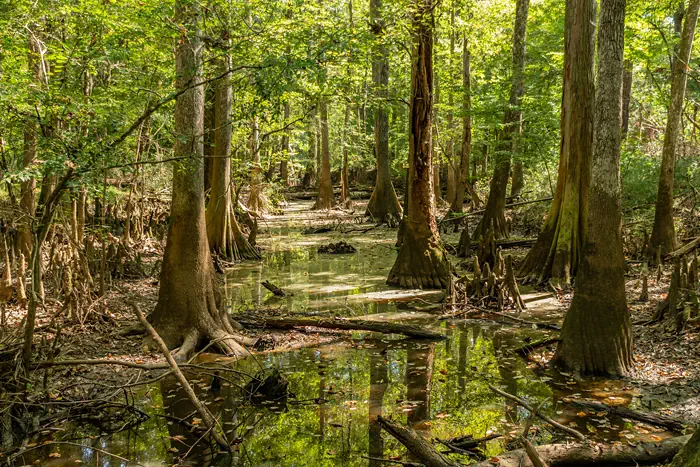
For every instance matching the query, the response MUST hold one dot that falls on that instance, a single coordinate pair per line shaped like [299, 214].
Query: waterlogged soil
[337, 389]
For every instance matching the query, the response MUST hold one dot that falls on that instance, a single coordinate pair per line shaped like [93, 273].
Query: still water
[440, 388]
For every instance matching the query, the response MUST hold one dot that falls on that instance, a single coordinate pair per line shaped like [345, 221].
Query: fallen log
[625, 412]
[511, 205]
[424, 451]
[529, 408]
[685, 249]
[571, 455]
[408, 330]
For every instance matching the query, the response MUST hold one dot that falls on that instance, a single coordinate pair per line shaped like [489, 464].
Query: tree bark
[507, 137]
[663, 234]
[558, 249]
[223, 232]
[596, 338]
[284, 163]
[186, 311]
[626, 97]
[326, 199]
[462, 175]
[573, 455]
[27, 204]
[257, 201]
[421, 261]
[689, 455]
[344, 174]
[383, 205]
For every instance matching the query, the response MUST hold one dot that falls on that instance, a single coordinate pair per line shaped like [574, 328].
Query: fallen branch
[557, 455]
[626, 412]
[424, 451]
[528, 407]
[554, 327]
[274, 289]
[530, 347]
[207, 417]
[346, 324]
[511, 205]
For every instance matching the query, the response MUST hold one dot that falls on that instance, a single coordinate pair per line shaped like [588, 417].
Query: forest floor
[667, 365]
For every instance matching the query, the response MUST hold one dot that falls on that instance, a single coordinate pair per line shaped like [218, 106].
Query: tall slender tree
[186, 311]
[494, 214]
[325, 199]
[421, 261]
[663, 234]
[462, 175]
[557, 252]
[596, 336]
[383, 205]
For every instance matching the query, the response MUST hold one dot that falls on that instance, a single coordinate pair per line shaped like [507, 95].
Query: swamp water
[438, 387]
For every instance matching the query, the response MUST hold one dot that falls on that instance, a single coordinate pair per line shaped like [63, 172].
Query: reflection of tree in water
[378, 382]
[503, 343]
[419, 375]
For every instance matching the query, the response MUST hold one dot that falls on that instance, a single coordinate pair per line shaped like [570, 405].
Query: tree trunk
[689, 456]
[257, 201]
[516, 179]
[558, 249]
[284, 163]
[186, 311]
[626, 97]
[223, 232]
[507, 138]
[421, 261]
[462, 175]
[596, 338]
[325, 199]
[27, 204]
[663, 234]
[344, 175]
[383, 205]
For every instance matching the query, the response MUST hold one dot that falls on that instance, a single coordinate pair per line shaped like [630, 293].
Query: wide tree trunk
[494, 214]
[663, 234]
[383, 205]
[596, 338]
[421, 261]
[462, 175]
[223, 232]
[325, 199]
[557, 252]
[186, 312]
[689, 455]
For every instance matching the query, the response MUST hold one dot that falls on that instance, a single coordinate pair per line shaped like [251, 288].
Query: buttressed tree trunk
[421, 261]
[557, 252]
[223, 232]
[596, 338]
[383, 205]
[663, 234]
[37, 65]
[186, 311]
[494, 214]
[325, 199]
[462, 175]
